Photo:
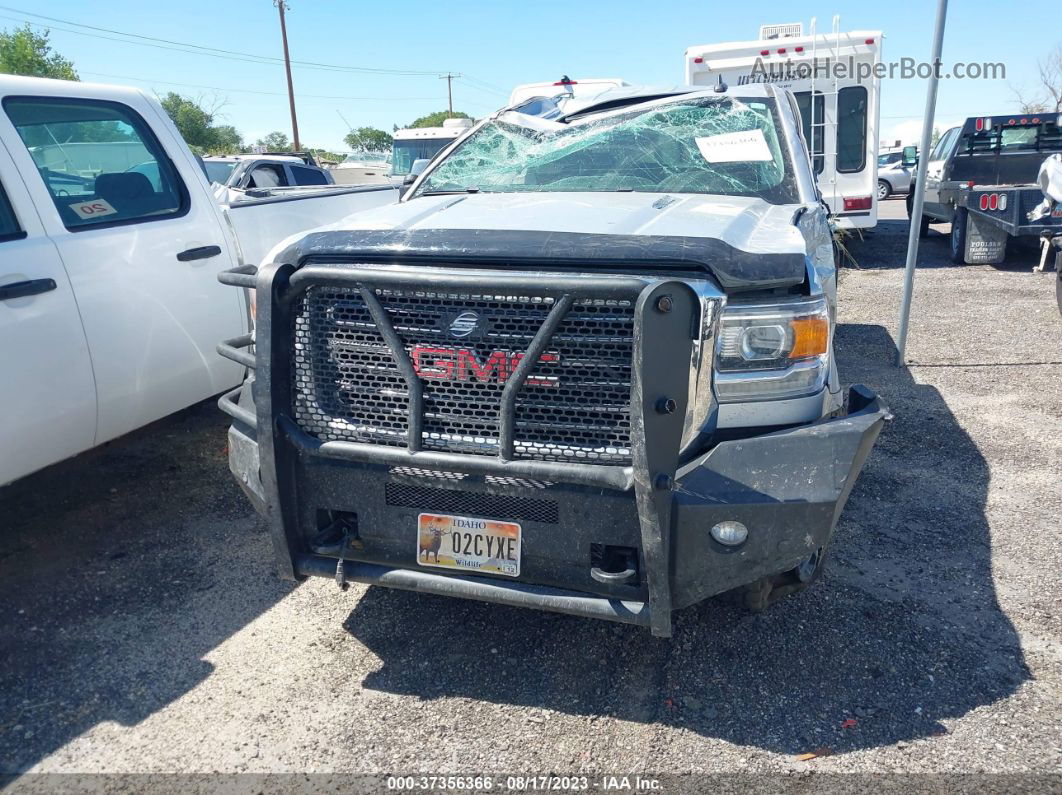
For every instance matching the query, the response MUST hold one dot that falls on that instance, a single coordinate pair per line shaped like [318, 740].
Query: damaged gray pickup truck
[585, 365]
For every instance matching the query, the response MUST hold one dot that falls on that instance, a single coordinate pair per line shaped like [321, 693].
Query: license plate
[468, 544]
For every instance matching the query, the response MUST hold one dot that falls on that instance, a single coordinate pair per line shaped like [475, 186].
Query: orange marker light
[811, 335]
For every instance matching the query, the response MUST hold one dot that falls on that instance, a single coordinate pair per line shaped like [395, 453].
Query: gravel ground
[142, 628]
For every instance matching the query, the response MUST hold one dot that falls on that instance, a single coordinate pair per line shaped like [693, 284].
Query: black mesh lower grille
[488, 506]
[574, 405]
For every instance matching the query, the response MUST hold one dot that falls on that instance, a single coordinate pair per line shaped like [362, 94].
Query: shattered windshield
[717, 145]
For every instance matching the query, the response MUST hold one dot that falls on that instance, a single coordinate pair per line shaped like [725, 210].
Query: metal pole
[920, 183]
[280, 4]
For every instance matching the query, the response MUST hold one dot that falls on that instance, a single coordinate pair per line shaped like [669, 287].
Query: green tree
[275, 142]
[436, 119]
[369, 139]
[196, 125]
[23, 52]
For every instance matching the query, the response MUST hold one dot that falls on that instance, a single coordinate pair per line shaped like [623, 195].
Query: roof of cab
[630, 95]
[45, 86]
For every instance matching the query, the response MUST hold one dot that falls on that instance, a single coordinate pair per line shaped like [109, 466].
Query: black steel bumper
[787, 487]
[624, 542]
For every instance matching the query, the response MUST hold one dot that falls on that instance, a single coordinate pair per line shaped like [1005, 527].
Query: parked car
[110, 246]
[585, 365]
[981, 178]
[894, 175]
[245, 172]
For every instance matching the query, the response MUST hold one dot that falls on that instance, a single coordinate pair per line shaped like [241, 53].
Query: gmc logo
[461, 364]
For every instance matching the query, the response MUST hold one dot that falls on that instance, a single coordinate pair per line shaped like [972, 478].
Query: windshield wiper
[449, 192]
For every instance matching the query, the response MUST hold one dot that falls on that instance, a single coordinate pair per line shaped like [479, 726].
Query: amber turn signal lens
[811, 336]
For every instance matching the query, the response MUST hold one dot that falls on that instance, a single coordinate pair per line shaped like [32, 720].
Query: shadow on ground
[903, 632]
[885, 248]
[119, 570]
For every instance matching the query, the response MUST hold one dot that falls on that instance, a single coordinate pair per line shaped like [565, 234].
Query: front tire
[957, 238]
[884, 190]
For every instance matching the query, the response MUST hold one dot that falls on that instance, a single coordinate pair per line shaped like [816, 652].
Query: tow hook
[341, 572]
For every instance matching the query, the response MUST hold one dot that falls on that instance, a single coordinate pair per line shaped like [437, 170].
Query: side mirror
[416, 170]
[910, 156]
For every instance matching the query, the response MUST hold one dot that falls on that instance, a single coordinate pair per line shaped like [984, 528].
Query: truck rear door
[936, 174]
[134, 222]
[47, 394]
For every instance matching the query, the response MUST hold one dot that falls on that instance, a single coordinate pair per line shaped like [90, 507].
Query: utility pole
[282, 7]
[449, 78]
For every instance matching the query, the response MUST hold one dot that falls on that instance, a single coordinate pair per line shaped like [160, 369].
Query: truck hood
[745, 243]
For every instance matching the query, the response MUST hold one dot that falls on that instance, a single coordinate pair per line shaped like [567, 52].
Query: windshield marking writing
[736, 147]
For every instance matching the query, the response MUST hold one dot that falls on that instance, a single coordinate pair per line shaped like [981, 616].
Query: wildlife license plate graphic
[462, 542]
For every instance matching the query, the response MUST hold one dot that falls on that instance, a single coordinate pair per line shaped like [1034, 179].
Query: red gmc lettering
[434, 363]
[467, 365]
[448, 364]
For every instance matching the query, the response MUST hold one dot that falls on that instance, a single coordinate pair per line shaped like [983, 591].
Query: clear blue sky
[498, 45]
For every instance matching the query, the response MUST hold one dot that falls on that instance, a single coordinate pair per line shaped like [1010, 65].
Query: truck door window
[851, 129]
[267, 175]
[940, 151]
[811, 120]
[308, 176]
[9, 228]
[99, 160]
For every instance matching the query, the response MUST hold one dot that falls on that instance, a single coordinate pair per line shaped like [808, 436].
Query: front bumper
[787, 487]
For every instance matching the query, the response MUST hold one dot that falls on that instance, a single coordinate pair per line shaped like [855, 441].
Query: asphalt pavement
[143, 628]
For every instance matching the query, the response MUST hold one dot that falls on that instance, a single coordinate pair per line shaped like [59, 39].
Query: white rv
[832, 77]
[423, 143]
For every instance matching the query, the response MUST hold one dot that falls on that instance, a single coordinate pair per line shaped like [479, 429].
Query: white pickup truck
[110, 245]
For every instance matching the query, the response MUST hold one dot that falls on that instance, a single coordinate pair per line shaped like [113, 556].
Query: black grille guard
[671, 321]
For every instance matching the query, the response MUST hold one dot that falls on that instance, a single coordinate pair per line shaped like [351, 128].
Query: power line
[483, 90]
[186, 47]
[252, 91]
[484, 85]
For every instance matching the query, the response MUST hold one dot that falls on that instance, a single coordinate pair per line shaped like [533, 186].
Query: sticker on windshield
[736, 147]
[93, 209]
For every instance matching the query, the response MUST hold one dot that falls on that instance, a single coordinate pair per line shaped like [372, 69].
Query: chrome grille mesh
[574, 406]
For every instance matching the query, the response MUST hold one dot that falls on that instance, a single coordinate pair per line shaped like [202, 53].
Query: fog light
[730, 533]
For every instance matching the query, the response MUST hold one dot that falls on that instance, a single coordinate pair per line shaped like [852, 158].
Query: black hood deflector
[733, 268]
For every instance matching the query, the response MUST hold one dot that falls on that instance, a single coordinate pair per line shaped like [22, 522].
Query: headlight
[770, 351]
